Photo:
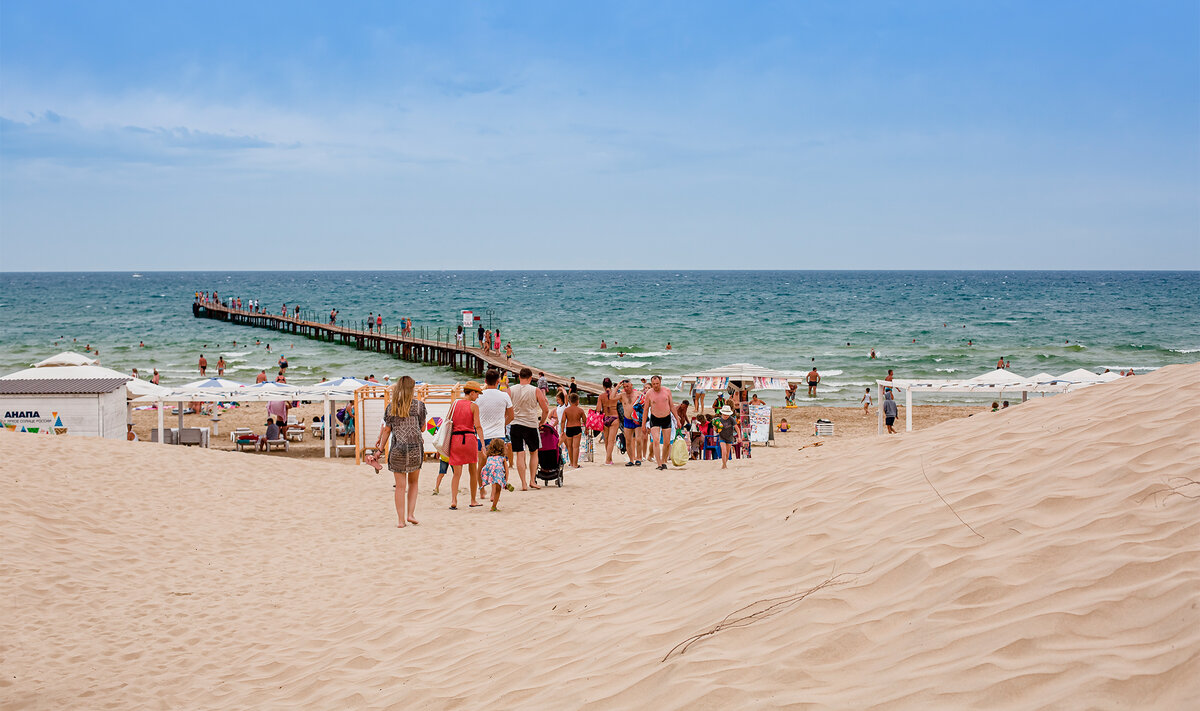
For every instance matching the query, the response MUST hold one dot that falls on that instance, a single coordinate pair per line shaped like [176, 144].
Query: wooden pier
[417, 350]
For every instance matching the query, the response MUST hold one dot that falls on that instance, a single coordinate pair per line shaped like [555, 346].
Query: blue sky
[195, 135]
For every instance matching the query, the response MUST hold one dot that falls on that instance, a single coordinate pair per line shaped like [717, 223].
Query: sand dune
[144, 576]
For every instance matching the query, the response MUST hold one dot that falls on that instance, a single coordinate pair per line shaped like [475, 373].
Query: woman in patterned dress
[403, 421]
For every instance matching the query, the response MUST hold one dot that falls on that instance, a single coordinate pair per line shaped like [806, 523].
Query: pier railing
[434, 345]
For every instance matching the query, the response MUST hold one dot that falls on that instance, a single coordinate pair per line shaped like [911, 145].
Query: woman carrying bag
[466, 433]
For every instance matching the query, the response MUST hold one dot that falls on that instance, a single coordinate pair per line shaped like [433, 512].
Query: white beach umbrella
[1043, 379]
[213, 384]
[276, 391]
[140, 388]
[998, 377]
[1079, 375]
[342, 383]
[67, 372]
[66, 358]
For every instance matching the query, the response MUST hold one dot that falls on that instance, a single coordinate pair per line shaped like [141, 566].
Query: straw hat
[727, 410]
[472, 385]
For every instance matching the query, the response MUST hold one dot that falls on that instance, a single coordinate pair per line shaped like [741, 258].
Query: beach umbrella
[1079, 375]
[432, 426]
[343, 383]
[66, 358]
[281, 391]
[213, 384]
[337, 389]
[141, 388]
[67, 372]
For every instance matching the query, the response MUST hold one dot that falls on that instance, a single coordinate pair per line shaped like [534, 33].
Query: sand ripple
[135, 576]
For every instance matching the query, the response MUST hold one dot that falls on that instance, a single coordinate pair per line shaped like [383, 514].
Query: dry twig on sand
[773, 606]
[1180, 489]
[947, 503]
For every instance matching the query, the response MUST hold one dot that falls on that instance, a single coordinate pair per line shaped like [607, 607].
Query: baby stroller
[550, 460]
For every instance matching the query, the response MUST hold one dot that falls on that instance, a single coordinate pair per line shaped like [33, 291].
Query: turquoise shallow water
[1040, 321]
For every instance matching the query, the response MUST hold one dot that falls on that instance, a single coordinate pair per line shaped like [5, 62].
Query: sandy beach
[1043, 557]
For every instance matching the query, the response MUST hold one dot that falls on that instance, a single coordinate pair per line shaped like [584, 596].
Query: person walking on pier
[527, 401]
[403, 421]
[379, 324]
[371, 322]
[479, 335]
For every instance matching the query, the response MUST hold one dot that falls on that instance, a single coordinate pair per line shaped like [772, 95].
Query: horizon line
[665, 271]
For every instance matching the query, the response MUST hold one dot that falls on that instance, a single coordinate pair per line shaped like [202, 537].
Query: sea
[939, 324]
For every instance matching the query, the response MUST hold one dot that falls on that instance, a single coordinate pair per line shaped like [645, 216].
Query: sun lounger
[267, 444]
[191, 435]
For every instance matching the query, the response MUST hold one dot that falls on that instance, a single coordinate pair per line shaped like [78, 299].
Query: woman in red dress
[465, 435]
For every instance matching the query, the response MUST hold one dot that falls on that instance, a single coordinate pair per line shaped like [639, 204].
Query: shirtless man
[203, 363]
[813, 378]
[632, 424]
[660, 404]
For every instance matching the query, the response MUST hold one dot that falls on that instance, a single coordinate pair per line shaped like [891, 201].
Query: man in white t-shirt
[495, 412]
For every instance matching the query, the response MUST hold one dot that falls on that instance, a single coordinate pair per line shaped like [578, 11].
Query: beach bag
[679, 452]
[441, 438]
[595, 421]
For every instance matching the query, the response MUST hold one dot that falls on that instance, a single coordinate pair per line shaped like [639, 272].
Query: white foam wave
[1185, 350]
[620, 365]
[614, 351]
[946, 370]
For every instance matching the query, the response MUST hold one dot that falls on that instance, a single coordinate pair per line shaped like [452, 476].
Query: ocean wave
[619, 364]
[639, 354]
[946, 370]
[1173, 350]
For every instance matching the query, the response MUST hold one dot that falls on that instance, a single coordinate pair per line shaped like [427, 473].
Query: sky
[605, 135]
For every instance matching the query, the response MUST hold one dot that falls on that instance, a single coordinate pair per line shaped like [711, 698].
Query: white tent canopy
[993, 383]
[139, 388]
[66, 358]
[261, 392]
[763, 378]
[67, 372]
[999, 377]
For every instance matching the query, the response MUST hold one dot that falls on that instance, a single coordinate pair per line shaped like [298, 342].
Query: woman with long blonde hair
[403, 421]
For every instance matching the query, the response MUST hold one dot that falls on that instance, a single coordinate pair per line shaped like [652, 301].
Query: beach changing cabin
[91, 407]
